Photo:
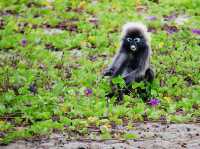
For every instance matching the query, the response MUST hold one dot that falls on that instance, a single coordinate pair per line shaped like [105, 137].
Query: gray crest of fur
[137, 26]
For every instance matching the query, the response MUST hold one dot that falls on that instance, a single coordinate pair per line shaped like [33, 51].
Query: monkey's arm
[138, 73]
[116, 66]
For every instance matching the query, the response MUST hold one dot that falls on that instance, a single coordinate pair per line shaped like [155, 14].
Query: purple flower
[170, 17]
[88, 92]
[23, 42]
[151, 18]
[33, 88]
[170, 29]
[196, 31]
[154, 102]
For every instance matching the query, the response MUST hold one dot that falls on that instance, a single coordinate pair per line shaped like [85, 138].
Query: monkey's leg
[149, 75]
[120, 96]
[145, 93]
[119, 92]
[113, 90]
[124, 91]
[110, 95]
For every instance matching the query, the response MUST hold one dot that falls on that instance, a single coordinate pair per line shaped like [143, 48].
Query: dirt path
[151, 136]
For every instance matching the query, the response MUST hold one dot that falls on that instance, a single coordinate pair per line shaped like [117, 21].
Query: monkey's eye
[137, 40]
[129, 39]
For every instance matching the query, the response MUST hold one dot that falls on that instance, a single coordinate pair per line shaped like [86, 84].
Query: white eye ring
[137, 40]
[129, 39]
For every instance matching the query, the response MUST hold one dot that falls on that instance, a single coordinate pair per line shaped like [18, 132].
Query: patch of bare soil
[150, 136]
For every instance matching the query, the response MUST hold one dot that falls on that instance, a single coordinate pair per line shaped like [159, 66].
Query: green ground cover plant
[53, 52]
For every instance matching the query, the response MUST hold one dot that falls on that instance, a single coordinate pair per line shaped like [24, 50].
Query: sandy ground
[151, 136]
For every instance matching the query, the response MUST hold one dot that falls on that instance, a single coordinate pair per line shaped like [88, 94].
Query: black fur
[132, 60]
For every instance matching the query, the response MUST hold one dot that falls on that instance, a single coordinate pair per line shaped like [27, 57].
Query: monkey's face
[134, 43]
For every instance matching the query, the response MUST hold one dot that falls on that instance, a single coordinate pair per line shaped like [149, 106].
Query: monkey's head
[135, 37]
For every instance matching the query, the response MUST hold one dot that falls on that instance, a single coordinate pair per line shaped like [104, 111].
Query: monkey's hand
[108, 72]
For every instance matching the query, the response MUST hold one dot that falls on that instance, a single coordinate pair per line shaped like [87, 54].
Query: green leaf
[129, 136]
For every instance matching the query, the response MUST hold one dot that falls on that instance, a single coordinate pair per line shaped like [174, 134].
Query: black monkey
[132, 61]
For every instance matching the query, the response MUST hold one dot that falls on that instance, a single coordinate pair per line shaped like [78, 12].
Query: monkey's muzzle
[133, 47]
